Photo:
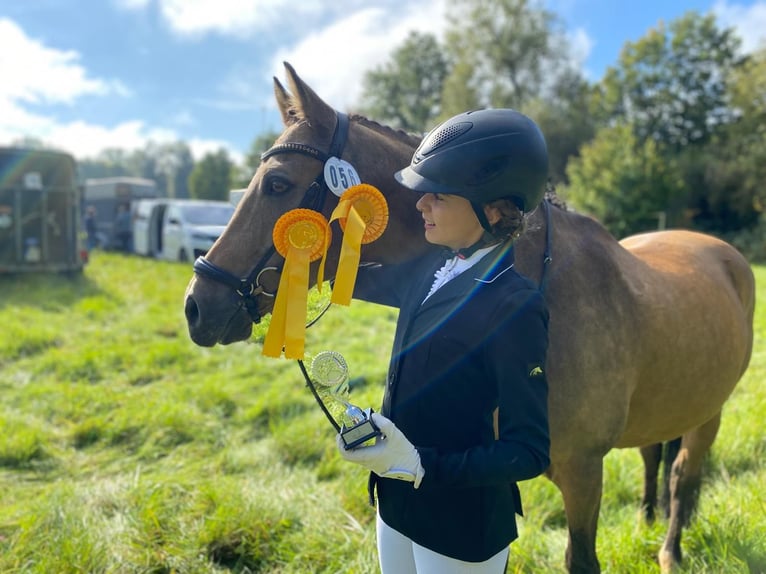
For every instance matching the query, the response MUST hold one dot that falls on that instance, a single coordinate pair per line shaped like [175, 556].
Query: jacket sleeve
[514, 353]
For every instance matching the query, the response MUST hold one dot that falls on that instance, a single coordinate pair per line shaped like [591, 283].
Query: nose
[191, 310]
[422, 202]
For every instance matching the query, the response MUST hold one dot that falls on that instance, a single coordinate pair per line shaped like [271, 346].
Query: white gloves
[392, 456]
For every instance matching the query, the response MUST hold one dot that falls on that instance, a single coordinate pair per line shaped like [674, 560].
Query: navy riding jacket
[476, 346]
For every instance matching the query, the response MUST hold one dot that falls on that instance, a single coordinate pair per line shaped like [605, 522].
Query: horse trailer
[39, 212]
[107, 195]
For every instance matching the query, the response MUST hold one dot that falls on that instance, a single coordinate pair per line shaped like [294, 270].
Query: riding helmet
[482, 155]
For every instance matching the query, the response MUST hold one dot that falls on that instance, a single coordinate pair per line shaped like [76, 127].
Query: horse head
[234, 285]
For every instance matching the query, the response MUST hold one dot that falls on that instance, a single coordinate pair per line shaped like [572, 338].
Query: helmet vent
[441, 136]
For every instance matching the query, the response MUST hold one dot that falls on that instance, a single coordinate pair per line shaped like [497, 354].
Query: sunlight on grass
[126, 448]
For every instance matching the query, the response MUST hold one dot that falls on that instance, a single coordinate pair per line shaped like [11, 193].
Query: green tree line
[672, 135]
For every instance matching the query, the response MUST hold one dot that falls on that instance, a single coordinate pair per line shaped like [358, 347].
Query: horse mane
[401, 135]
[553, 198]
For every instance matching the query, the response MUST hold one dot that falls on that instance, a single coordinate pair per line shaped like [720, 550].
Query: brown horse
[648, 336]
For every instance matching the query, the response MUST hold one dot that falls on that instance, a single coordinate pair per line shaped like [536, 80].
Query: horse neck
[578, 246]
[377, 152]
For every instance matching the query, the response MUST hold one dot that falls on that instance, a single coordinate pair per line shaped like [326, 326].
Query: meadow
[125, 448]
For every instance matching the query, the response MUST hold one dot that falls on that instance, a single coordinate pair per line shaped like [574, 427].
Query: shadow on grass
[46, 291]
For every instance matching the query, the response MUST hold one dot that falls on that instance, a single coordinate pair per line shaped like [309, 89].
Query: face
[449, 220]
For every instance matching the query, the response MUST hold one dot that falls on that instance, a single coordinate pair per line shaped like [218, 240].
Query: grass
[124, 448]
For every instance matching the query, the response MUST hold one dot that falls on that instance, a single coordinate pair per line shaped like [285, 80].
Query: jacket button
[391, 379]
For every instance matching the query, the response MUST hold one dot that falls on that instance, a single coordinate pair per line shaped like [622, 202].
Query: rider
[464, 413]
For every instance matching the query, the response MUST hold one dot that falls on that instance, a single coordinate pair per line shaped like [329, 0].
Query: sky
[85, 75]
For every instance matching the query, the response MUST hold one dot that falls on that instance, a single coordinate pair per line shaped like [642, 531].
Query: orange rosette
[363, 216]
[371, 206]
[300, 236]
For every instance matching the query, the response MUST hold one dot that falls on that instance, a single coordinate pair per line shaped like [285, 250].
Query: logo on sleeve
[535, 371]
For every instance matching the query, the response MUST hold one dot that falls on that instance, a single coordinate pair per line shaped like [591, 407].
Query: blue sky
[84, 75]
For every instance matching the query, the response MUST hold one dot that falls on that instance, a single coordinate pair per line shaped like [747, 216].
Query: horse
[648, 336]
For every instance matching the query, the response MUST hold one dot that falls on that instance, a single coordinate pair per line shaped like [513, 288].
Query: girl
[464, 414]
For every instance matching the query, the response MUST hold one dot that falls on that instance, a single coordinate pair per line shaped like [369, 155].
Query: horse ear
[283, 103]
[310, 106]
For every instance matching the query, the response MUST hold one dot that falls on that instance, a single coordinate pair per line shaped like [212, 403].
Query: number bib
[339, 175]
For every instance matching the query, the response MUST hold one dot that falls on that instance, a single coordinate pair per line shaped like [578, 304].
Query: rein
[248, 288]
[547, 259]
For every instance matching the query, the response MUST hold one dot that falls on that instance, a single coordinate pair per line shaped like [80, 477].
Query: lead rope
[547, 259]
[320, 402]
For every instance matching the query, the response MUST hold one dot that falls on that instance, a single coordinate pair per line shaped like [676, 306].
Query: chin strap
[487, 240]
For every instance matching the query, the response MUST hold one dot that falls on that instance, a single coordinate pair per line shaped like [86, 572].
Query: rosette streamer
[300, 236]
[363, 215]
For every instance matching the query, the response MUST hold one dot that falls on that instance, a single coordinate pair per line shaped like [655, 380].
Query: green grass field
[124, 448]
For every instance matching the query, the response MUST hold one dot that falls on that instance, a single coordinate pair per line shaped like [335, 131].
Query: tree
[671, 85]
[514, 54]
[566, 122]
[173, 166]
[506, 53]
[622, 182]
[728, 175]
[211, 177]
[405, 92]
[253, 157]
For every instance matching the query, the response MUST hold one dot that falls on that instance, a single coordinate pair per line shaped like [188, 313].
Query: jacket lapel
[487, 270]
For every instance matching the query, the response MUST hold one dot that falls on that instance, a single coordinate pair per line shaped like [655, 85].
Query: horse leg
[652, 456]
[669, 454]
[685, 478]
[580, 483]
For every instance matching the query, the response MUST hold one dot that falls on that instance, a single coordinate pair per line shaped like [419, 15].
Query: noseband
[248, 288]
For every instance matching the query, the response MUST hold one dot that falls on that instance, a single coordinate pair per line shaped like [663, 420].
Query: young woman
[464, 414]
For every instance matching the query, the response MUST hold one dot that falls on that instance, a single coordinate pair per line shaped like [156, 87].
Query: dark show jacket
[477, 344]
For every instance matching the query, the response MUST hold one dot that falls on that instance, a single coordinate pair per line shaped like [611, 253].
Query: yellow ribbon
[300, 236]
[363, 215]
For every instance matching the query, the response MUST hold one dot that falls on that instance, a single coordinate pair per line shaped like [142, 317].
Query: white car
[191, 227]
[179, 229]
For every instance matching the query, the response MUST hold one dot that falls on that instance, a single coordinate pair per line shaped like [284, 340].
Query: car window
[208, 214]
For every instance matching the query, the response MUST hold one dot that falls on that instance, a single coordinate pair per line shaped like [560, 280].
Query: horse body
[648, 336]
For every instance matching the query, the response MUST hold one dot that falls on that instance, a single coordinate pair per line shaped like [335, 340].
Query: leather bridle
[249, 288]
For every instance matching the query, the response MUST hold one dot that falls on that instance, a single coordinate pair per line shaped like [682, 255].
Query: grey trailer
[39, 212]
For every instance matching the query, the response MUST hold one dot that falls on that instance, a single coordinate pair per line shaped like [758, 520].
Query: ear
[493, 214]
[307, 105]
[283, 103]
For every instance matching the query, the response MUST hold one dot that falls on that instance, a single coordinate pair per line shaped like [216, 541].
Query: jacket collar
[487, 270]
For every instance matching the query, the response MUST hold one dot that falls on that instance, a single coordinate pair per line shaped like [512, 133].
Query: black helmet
[482, 155]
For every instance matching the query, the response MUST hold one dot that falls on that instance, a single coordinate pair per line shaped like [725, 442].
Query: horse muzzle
[215, 315]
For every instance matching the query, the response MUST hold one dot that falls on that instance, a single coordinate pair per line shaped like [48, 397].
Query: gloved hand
[392, 456]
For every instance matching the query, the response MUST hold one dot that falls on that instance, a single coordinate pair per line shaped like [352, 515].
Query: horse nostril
[191, 310]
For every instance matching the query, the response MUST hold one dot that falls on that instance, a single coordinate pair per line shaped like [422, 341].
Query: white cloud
[230, 17]
[333, 60]
[34, 73]
[200, 147]
[748, 21]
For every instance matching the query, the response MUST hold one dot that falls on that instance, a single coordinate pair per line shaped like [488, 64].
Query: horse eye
[276, 185]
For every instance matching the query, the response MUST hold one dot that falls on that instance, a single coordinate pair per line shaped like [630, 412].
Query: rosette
[363, 216]
[300, 236]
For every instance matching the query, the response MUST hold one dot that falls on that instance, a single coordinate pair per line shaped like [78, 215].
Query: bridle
[249, 288]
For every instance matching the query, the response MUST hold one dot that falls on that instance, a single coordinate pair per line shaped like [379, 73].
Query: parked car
[178, 229]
